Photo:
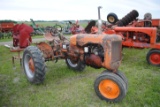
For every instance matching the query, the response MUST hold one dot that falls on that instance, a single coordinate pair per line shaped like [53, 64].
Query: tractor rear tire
[110, 87]
[34, 65]
[153, 57]
[78, 66]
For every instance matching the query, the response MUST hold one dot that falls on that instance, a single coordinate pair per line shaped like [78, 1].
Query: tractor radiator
[116, 51]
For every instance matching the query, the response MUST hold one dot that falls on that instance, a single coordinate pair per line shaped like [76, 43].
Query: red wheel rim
[31, 65]
[109, 89]
[155, 58]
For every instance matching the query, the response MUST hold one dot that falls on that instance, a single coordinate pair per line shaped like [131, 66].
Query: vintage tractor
[72, 28]
[22, 35]
[140, 34]
[96, 50]
[136, 33]
[76, 28]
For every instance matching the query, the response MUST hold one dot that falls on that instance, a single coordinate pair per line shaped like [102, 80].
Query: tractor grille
[116, 50]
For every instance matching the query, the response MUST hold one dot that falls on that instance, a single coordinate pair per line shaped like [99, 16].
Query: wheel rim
[71, 63]
[29, 66]
[109, 89]
[111, 19]
[155, 58]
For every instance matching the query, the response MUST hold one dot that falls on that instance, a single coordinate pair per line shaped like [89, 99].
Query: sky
[23, 10]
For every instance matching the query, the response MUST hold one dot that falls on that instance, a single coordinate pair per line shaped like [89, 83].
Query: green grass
[10, 39]
[5, 39]
[65, 88]
[42, 24]
[45, 23]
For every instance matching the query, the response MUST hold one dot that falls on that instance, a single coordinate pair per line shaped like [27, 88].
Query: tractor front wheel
[153, 57]
[34, 65]
[121, 75]
[77, 66]
[110, 87]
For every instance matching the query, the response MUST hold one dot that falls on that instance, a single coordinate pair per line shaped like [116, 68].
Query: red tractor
[136, 33]
[96, 50]
[22, 35]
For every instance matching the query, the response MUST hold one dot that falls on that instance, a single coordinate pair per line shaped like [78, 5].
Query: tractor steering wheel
[58, 27]
[54, 31]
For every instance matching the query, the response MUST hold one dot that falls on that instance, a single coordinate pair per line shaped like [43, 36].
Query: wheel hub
[155, 58]
[109, 89]
[111, 19]
[31, 65]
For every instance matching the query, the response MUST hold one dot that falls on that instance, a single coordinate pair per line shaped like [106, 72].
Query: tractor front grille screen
[116, 51]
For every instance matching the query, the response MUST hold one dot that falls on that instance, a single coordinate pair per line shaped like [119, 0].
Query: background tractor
[96, 50]
[140, 33]
[136, 33]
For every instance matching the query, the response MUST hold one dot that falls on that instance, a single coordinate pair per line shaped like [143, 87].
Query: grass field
[51, 23]
[10, 39]
[65, 88]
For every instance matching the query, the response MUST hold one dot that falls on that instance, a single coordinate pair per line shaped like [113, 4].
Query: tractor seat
[48, 36]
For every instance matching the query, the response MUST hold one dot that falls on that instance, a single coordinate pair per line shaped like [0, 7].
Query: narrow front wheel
[110, 87]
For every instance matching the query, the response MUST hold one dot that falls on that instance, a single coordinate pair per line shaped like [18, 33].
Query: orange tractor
[96, 50]
[136, 33]
[139, 33]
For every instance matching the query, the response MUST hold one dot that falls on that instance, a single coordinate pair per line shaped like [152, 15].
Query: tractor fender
[46, 49]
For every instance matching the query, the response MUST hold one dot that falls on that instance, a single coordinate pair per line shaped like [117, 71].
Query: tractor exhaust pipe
[99, 21]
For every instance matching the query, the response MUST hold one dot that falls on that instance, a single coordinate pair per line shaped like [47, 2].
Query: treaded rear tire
[34, 64]
[78, 66]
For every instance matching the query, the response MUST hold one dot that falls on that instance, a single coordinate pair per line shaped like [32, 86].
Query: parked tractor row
[66, 28]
